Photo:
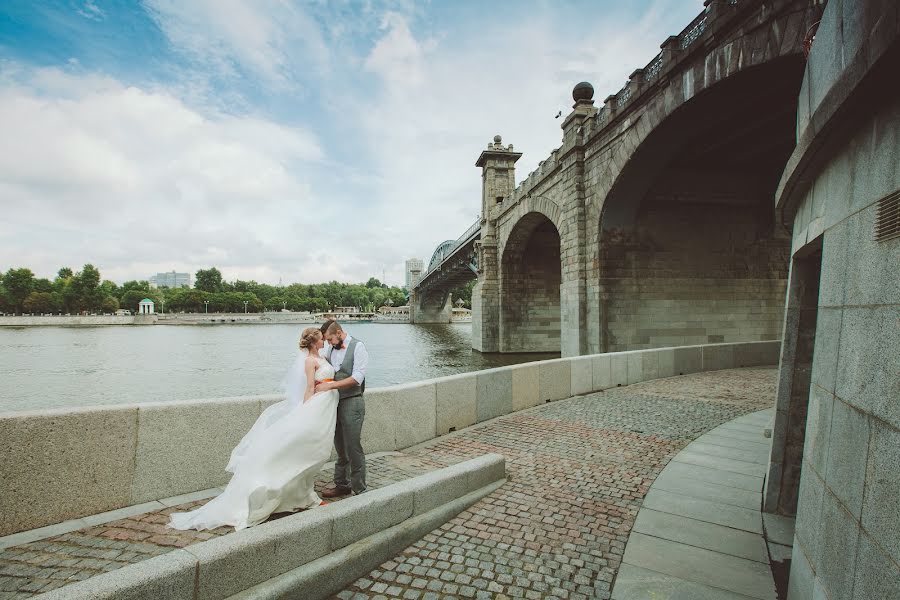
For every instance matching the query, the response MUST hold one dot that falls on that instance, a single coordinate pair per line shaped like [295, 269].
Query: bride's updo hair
[309, 337]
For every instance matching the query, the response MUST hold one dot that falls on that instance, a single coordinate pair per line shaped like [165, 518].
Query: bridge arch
[685, 245]
[440, 253]
[530, 279]
[532, 205]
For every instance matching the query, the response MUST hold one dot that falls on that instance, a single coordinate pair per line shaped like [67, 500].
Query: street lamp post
[206, 303]
[164, 307]
[246, 302]
[284, 306]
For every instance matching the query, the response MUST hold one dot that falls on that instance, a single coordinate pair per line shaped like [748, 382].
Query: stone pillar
[434, 307]
[573, 238]
[498, 179]
[794, 384]
[414, 277]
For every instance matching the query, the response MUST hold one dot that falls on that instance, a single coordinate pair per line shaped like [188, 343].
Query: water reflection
[56, 367]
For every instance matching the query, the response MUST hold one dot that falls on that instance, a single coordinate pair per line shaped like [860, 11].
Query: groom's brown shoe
[336, 492]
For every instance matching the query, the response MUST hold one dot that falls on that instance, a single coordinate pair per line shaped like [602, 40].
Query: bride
[276, 463]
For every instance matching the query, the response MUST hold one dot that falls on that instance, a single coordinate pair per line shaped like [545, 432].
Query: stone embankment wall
[836, 440]
[69, 463]
[65, 321]
[160, 319]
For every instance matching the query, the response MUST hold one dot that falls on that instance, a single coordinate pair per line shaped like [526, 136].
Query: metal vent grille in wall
[887, 217]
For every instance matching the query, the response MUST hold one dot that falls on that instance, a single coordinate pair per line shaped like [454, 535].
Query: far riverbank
[276, 318]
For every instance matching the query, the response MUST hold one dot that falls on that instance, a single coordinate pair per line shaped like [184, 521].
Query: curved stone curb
[330, 574]
[699, 532]
[334, 543]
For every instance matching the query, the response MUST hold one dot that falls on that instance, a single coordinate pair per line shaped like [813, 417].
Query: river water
[48, 367]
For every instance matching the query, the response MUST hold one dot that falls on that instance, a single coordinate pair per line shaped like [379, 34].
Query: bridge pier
[498, 180]
[486, 299]
[434, 307]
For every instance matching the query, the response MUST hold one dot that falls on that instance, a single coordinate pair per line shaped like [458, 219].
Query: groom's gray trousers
[350, 415]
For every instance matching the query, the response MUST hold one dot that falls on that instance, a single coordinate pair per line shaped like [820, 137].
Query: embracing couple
[275, 465]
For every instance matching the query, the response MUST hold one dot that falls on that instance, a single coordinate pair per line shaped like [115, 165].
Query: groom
[349, 358]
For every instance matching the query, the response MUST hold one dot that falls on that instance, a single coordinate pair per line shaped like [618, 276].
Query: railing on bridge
[681, 42]
[461, 240]
[651, 71]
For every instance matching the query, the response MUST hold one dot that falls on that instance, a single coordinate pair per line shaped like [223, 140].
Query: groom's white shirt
[360, 359]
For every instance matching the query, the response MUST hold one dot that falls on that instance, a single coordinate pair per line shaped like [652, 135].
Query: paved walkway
[34, 567]
[699, 534]
[579, 472]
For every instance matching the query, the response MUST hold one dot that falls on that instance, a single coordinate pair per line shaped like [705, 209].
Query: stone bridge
[452, 264]
[653, 223]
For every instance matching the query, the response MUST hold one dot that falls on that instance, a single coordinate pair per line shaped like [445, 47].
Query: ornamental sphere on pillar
[583, 91]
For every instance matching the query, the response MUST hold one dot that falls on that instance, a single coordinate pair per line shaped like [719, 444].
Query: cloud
[442, 93]
[398, 58]
[91, 11]
[95, 171]
[312, 141]
[272, 40]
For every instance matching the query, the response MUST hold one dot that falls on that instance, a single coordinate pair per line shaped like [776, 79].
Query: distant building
[146, 307]
[413, 264]
[345, 309]
[170, 279]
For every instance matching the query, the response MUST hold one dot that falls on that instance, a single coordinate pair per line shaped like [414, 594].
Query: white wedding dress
[276, 463]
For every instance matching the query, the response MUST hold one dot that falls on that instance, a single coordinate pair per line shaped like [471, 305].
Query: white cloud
[274, 40]
[140, 179]
[398, 57]
[91, 11]
[94, 171]
[443, 95]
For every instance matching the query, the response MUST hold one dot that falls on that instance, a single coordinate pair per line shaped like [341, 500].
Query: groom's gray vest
[346, 370]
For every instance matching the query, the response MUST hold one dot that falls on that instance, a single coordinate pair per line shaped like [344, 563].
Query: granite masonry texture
[578, 474]
[644, 228]
[840, 403]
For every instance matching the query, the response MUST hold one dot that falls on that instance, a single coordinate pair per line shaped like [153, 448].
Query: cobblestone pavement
[578, 472]
[41, 566]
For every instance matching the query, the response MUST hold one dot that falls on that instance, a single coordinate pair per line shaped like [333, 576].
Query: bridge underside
[529, 290]
[689, 251]
[430, 300]
[433, 306]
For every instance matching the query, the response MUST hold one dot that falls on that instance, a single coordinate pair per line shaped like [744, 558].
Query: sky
[283, 140]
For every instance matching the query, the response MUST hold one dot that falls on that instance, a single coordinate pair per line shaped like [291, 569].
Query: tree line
[85, 291]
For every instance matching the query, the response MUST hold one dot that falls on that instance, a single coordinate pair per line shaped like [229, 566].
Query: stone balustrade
[65, 464]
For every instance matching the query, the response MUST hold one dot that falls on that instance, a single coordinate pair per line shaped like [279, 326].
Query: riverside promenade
[579, 472]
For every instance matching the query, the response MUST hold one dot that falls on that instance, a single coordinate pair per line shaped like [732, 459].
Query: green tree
[109, 288]
[131, 299]
[64, 289]
[86, 285]
[109, 304]
[142, 286]
[40, 302]
[43, 285]
[19, 284]
[208, 280]
[89, 278]
[464, 292]
[5, 304]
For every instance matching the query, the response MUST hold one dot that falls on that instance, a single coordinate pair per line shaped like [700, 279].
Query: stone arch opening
[689, 249]
[531, 275]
